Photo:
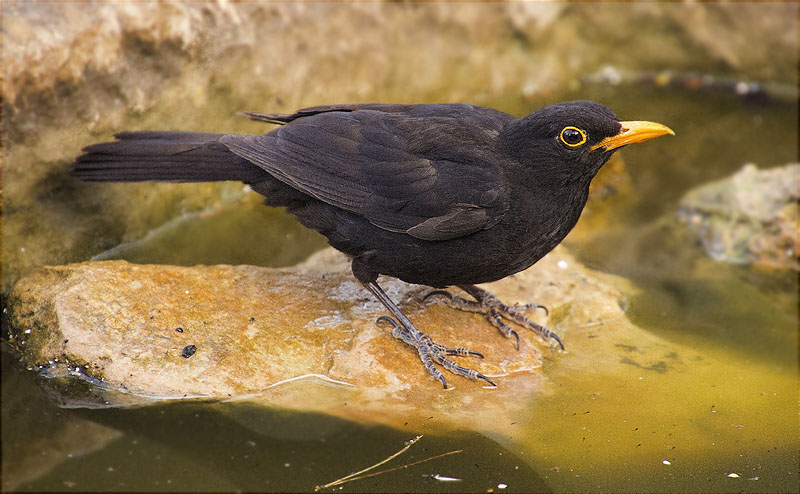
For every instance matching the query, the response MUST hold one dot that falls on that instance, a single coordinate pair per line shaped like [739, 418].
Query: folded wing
[424, 170]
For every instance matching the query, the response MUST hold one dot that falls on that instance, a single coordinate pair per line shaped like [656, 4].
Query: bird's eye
[573, 136]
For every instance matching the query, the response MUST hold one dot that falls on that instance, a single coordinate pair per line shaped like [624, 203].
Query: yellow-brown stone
[302, 337]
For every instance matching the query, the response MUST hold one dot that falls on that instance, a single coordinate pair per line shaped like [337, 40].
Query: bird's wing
[431, 176]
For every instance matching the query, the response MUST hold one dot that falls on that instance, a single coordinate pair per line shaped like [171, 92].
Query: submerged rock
[750, 217]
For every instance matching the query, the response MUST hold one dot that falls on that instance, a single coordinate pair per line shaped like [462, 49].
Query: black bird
[438, 195]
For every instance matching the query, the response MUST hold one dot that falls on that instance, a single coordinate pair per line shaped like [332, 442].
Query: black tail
[164, 157]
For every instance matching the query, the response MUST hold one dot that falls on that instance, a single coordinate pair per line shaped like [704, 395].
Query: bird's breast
[537, 223]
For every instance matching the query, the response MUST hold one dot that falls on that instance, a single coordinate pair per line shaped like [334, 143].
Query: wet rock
[750, 217]
[304, 338]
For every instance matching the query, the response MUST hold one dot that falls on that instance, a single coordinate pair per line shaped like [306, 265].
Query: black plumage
[439, 195]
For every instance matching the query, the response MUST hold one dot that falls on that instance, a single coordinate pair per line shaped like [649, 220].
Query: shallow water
[684, 426]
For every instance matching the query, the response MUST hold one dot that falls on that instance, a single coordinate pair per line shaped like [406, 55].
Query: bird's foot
[495, 312]
[430, 352]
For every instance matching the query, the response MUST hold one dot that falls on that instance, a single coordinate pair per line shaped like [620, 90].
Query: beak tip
[633, 132]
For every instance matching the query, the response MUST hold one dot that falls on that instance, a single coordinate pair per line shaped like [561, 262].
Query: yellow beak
[631, 132]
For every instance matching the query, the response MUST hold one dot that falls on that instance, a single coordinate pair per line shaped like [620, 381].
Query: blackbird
[435, 194]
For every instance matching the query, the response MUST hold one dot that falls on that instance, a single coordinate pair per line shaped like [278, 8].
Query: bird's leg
[429, 351]
[495, 311]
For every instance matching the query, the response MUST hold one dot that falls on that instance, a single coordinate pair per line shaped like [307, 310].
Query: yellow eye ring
[572, 136]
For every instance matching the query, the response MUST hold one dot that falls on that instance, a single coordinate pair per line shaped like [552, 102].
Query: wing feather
[422, 171]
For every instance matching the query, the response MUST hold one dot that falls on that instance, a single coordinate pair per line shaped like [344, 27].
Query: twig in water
[362, 474]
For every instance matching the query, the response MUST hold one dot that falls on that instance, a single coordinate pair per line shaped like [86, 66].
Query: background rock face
[75, 73]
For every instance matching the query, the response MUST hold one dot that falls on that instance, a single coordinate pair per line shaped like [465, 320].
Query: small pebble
[188, 351]
[666, 462]
[562, 264]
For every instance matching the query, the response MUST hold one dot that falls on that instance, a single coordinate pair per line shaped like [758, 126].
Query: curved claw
[389, 320]
[437, 292]
[524, 307]
[514, 333]
[481, 376]
[444, 383]
[558, 340]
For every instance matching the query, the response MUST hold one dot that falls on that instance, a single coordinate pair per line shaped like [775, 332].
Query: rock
[304, 338]
[750, 217]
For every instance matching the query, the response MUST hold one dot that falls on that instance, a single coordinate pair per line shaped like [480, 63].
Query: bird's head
[569, 142]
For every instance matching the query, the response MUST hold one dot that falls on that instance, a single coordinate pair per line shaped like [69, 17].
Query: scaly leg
[429, 351]
[495, 311]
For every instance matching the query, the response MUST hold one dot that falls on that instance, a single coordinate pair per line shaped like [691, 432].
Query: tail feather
[164, 157]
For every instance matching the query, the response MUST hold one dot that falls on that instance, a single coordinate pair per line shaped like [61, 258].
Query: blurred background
[722, 75]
